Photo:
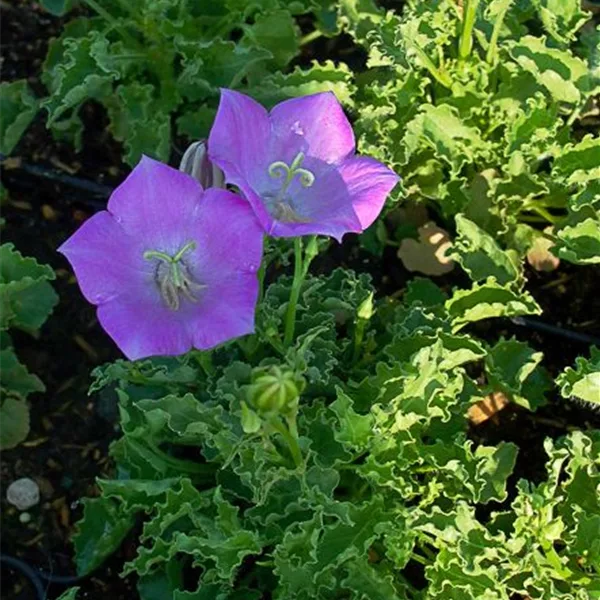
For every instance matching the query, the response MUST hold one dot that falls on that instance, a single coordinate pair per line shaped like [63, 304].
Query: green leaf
[579, 243]
[579, 163]
[59, 8]
[161, 583]
[514, 368]
[582, 382]
[479, 254]
[441, 129]
[16, 379]
[14, 421]
[208, 66]
[70, 594]
[561, 18]
[103, 527]
[275, 32]
[26, 297]
[18, 107]
[140, 121]
[564, 76]
[320, 77]
[488, 300]
[74, 75]
[354, 430]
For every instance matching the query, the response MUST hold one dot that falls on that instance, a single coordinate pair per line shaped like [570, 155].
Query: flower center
[173, 276]
[278, 204]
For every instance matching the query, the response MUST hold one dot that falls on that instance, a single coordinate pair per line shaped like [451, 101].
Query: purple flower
[169, 265]
[296, 165]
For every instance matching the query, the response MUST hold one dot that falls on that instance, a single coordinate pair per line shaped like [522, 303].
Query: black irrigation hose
[37, 577]
[90, 187]
[30, 573]
[536, 325]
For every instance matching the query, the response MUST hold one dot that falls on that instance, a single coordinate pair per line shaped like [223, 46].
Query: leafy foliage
[330, 468]
[582, 382]
[157, 66]
[18, 107]
[26, 300]
[478, 121]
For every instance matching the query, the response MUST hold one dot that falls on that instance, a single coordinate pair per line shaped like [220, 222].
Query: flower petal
[105, 259]
[368, 183]
[227, 310]
[155, 204]
[239, 138]
[315, 125]
[142, 327]
[230, 240]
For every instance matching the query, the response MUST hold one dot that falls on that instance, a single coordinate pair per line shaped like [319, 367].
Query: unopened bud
[195, 162]
[275, 390]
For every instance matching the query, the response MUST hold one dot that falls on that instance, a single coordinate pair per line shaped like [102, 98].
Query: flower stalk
[301, 265]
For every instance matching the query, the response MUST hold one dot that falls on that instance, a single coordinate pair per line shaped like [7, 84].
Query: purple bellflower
[169, 265]
[296, 165]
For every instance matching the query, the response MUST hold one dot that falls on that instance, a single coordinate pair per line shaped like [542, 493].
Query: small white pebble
[24, 517]
[23, 493]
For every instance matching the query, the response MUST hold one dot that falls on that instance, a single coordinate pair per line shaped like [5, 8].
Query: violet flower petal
[125, 263]
[315, 125]
[92, 252]
[368, 183]
[155, 203]
[296, 166]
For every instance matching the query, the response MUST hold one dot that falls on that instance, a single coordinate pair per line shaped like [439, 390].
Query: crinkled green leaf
[579, 243]
[16, 379]
[18, 107]
[561, 18]
[479, 254]
[487, 300]
[583, 381]
[207, 66]
[77, 76]
[275, 32]
[354, 430]
[26, 297]
[320, 77]
[562, 74]
[70, 594]
[104, 525]
[514, 368]
[579, 163]
[441, 129]
[14, 419]
[140, 121]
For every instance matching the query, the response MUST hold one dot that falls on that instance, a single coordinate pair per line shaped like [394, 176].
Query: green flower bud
[275, 390]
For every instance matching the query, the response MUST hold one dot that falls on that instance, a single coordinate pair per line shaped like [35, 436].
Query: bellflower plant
[296, 165]
[164, 272]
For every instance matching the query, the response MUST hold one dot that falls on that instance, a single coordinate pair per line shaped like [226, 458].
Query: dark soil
[70, 432]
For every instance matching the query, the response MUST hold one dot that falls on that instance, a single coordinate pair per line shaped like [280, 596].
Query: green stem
[543, 213]
[420, 559]
[440, 76]
[290, 317]
[290, 440]
[359, 334]
[301, 265]
[492, 51]
[95, 6]
[311, 37]
[466, 35]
